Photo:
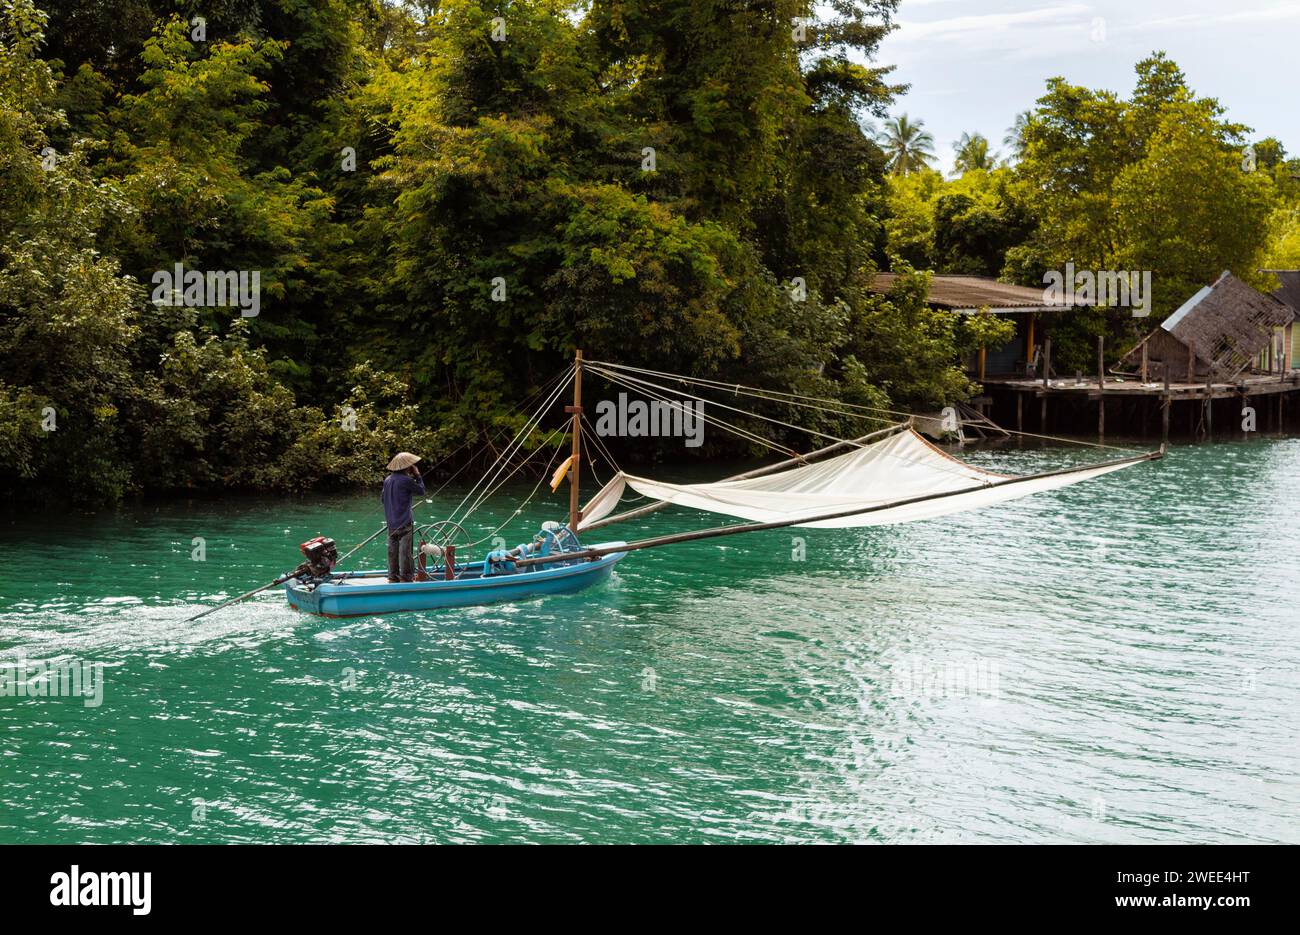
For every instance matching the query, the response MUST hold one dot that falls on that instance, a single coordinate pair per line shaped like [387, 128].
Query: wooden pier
[1079, 405]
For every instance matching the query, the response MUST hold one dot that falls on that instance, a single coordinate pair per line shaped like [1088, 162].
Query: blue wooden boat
[365, 593]
[851, 489]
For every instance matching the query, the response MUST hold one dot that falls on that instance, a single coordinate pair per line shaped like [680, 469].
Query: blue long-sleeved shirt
[400, 489]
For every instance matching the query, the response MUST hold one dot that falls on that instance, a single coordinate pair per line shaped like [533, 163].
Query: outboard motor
[321, 555]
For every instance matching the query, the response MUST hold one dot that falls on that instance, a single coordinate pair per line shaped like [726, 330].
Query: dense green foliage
[441, 203]
[443, 200]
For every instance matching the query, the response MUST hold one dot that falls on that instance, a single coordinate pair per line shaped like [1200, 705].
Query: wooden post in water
[1167, 404]
[1047, 369]
[1101, 386]
[1209, 409]
[575, 465]
[1020, 412]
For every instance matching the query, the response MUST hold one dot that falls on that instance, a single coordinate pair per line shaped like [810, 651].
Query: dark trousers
[401, 566]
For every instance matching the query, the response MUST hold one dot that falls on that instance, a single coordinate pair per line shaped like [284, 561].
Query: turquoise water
[1112, 662]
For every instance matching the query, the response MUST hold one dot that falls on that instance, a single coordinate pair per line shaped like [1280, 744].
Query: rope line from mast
[545, 387]
[665, 389]
[644, 388]
[796, 399]
[530, 496]
[712, 420]
[524, 433]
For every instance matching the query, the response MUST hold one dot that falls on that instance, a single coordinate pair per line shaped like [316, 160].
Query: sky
[974, 64]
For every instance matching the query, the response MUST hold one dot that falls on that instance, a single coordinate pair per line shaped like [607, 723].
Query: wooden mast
[575, 464]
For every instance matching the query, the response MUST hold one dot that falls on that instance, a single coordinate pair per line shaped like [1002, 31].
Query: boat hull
[365, 594]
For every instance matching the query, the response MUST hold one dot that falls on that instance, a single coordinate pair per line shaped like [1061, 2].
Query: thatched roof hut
[1217, 334]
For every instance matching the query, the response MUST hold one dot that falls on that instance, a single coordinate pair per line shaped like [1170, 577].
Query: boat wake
[114, 626]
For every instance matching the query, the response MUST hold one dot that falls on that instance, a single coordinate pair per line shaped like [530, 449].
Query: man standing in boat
[402, 485]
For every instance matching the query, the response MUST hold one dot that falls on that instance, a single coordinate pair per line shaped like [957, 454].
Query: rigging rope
[600, 444]
[530, 496]
[795, 399]
[521, 436]
[465, 444]
[838, 407]
[949, 470]
[487, 492]
[713, 420]
[789, 425]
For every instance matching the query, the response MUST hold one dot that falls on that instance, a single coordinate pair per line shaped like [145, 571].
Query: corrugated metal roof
[1176, 317]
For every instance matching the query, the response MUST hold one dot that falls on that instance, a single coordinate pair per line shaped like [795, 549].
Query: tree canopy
[442, 200]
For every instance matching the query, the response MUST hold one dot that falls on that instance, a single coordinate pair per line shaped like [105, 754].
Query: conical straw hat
[403, 461]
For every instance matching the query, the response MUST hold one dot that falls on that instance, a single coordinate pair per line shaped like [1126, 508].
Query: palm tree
[908, 147]
[973, 153]
[1014, 141]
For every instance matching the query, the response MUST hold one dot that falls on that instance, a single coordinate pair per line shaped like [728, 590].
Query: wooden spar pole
[803, 520]
[756, 472]
[575, 466]
[247, 594]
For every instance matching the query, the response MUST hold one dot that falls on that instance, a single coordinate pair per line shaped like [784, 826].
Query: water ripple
[1113, 662]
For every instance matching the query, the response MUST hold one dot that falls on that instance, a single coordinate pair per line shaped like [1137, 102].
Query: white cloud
[1033, 33]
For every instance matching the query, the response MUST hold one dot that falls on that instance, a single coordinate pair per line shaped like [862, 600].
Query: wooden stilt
[1047, 371]
[1167, 403]
[1101, 386]
[1209, 410]
[1020, 412]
